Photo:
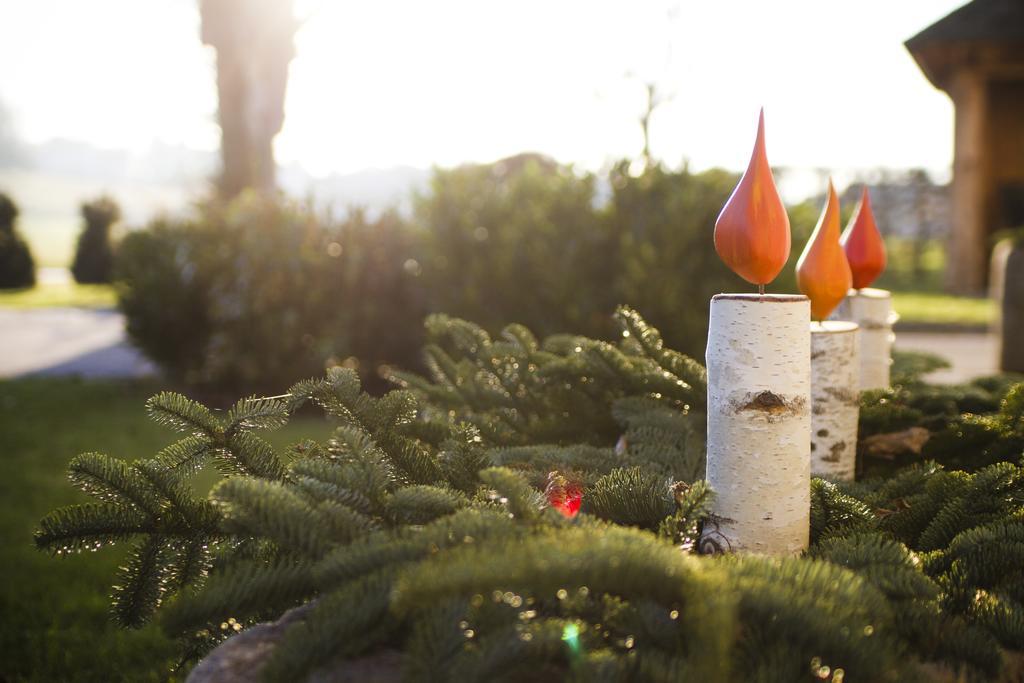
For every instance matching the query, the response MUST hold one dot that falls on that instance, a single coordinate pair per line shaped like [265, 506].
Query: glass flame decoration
[752, 232]
[863, 244]
[823, 273]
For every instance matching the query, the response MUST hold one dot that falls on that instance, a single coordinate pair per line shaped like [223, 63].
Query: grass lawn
[55, 624]
[62, 294]
[930, 307]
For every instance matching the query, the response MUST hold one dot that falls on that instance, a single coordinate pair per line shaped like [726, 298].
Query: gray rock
[241, 658]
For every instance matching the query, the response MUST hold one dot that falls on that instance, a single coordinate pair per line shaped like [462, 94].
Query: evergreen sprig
[417, 540]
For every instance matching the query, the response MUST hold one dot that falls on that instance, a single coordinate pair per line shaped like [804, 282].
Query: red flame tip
[863, 244]
[822, 272]
[752, 231]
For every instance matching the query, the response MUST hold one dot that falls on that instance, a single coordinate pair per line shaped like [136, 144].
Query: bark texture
[872, 310]
[835, 404]
[759, 424]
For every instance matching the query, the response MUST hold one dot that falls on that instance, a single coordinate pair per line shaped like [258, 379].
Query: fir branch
[465, 336]
[631, 497]
[413, 461]
[317, 490]
[812, 609]
[141, 586]
[682, 368]
[421, 504]
[242, 590]
[387, 549]
[986, 558]
[512, 491]
[461, 458]
[271, 510]
[1002, 617]
[257, 413]
[835, 514]
[191, 562]
[339, 394]
[394, 409]
[435, 644]
[591, 461]
[368, 469]
[183, 414]
[89, 526]
[534, 651]
[247, 454]
[625, 562]
[693, 502]
[521, 336]
[112, 480]
[194, 514]
[887, 564]
[186, 455]
[322, 636]
[989, 494]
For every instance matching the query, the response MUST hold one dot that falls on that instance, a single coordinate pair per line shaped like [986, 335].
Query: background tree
[254, 40]
[655, 98]
[17, 269]
[94, 256]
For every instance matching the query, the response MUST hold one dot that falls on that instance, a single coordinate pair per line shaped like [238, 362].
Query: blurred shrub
[258, 293]
[17, 269]
[94, 256]
[519, 240]
[664, 224]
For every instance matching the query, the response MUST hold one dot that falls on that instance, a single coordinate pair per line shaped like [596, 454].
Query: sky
[408, 82]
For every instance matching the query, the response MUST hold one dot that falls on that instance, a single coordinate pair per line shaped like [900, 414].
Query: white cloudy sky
[388, 82]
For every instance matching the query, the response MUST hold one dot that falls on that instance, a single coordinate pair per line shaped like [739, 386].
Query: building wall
[1005, 190]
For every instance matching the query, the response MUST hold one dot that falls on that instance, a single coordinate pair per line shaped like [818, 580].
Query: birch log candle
[870, 308]
[823, 274]
[758, 360]
[835, 399]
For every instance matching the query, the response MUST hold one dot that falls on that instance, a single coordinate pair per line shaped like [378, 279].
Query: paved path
[67, 341]
[92, 343]
[972, 354]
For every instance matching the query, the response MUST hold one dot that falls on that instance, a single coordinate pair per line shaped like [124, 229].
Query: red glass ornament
[563, 495]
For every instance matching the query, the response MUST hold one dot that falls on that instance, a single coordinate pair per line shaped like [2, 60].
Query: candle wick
[760, 290]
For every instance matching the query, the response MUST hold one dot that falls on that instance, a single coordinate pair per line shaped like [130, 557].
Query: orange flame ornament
[823, 273]
[863, 244]
[752, 232]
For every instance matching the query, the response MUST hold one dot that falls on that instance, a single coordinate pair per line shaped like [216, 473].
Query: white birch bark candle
[759, 424]
[823, 274]
[871, 310]
[758, 360]
[835, 404]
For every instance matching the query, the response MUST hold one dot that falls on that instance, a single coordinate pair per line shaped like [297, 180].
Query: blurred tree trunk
[254, 40]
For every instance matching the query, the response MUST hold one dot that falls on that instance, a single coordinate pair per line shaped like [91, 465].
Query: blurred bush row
[17, 267]
[257, 293]
[94, 255]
